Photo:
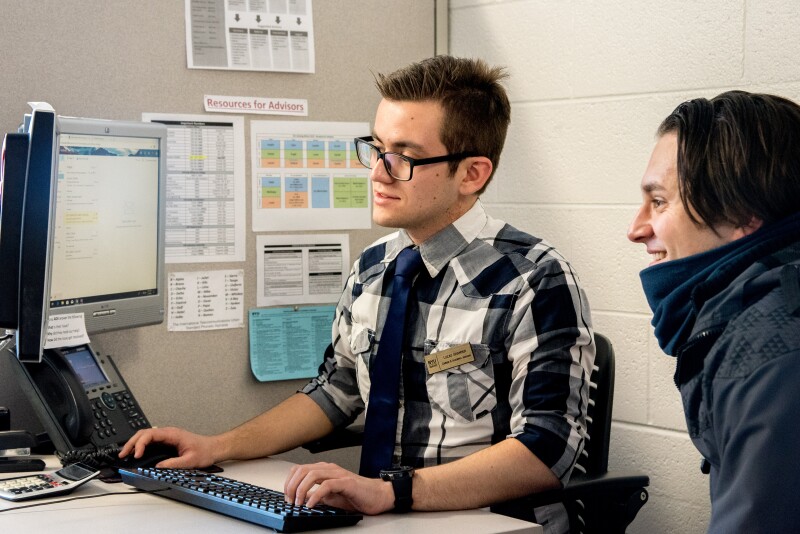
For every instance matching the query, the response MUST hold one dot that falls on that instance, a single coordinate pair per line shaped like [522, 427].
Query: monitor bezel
[12, 197]
[36, 238]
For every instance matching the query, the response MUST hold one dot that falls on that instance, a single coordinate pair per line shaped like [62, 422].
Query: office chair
[598, 502]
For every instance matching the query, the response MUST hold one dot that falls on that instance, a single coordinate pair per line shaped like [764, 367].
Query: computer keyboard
[244, 501]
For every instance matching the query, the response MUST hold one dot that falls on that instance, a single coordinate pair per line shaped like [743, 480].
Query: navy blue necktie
[380, 426]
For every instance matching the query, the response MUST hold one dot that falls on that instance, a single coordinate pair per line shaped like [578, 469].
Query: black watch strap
[401, 479]
[402, 494]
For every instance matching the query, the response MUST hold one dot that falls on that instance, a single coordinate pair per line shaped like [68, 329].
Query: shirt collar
[439, 249]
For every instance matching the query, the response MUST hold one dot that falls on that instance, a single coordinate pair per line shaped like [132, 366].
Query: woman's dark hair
[738, 157]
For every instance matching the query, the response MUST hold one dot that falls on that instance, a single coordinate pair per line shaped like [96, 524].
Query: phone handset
[65, 396]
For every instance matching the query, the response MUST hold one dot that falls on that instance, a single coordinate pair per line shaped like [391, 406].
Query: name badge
[449, 358]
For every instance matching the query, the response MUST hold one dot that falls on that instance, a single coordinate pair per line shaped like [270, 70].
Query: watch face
[396, 472]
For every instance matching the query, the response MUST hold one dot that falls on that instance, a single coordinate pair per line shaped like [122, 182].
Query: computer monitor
[105, 226]
[108, 236]
[13, 167]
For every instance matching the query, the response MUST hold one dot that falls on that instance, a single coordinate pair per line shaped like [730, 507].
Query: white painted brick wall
[590, 82]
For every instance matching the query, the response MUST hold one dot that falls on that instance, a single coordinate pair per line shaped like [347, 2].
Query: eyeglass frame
[412, 162]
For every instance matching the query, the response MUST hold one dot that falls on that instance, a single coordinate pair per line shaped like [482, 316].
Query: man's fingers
[139, 442]
[136, 444]
[302, 478]
[179, 462]
[328, 489]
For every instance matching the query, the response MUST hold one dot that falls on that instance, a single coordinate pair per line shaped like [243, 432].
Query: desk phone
[80, 398]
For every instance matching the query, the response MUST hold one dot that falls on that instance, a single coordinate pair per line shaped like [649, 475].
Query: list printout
[301, 269]
[205, 188]
[205, 300]
[287, 343]
[256, 35]
[306, 176]
[65, 330]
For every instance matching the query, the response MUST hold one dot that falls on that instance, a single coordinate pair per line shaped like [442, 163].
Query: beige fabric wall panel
[116, 60]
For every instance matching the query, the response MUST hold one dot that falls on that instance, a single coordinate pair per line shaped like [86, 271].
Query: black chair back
[594, 459]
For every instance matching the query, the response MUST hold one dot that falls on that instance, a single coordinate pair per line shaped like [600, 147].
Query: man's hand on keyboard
[194, 450]
[326, 483]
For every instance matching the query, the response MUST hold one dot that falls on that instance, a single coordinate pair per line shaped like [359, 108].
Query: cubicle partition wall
[117, 60]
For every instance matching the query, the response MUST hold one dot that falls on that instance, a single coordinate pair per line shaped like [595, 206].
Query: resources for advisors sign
[255, 104]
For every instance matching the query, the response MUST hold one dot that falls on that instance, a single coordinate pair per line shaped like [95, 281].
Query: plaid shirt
[517, 303]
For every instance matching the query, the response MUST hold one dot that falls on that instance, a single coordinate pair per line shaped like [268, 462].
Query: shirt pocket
[362, 343]
[464, 393]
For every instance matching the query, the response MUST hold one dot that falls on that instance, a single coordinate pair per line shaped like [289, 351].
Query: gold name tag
[449, 358]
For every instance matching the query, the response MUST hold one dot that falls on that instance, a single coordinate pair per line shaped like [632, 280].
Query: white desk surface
[138, 513]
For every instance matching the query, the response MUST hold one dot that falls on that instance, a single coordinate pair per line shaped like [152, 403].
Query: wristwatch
[400, 477]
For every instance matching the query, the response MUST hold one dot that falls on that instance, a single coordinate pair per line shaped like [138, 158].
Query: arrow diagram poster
[260, 35]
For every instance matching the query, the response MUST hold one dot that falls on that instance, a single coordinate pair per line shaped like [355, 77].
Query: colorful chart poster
[306, 176]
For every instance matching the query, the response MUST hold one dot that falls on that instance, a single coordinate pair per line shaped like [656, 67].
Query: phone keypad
[112, 412]
[102, 425]
[136, 419]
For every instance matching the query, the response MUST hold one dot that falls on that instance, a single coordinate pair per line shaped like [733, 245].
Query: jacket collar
[749, 275]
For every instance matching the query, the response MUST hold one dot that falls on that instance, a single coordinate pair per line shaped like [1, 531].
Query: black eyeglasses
[398, 166]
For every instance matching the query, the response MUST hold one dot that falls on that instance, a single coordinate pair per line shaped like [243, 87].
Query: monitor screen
[107, 250]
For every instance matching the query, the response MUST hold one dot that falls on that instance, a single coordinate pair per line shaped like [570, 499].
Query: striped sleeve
[552, 352]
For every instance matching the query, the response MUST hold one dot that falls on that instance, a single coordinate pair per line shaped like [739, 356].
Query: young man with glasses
[497, 350]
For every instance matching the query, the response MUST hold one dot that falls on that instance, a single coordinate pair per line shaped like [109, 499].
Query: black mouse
[154, 453]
